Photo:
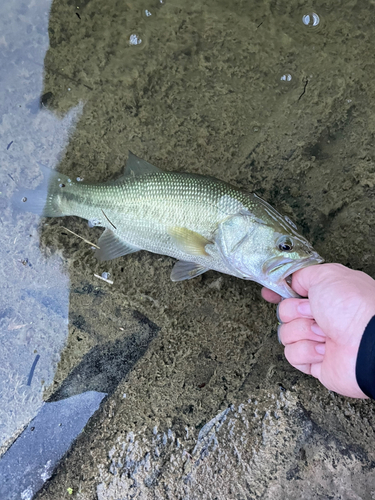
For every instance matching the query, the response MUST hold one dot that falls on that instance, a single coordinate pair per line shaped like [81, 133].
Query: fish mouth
[284, 279]
[309, 261]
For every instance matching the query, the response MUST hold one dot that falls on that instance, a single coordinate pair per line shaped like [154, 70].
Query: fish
[203, 222]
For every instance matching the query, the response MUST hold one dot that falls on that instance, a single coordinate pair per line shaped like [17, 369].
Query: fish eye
[285, 244]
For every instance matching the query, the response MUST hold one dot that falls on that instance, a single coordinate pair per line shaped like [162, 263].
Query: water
[275, 97]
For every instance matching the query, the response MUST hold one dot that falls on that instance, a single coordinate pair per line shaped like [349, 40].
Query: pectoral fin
[111, 247]
[186, 270]
[189, 241]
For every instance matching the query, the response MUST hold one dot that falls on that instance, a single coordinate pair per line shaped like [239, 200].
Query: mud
[202, 402]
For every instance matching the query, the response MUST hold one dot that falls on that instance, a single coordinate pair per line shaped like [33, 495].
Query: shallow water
[273, 97]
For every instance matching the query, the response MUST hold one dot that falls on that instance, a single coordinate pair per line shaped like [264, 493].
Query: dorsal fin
[135, 167]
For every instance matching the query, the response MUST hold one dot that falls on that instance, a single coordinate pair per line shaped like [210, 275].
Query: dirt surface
[208, 407]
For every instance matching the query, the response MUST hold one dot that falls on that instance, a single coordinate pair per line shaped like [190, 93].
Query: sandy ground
[244, 91]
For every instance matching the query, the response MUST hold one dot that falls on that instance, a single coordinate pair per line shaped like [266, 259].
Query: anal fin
[111, 247]
[186, 270]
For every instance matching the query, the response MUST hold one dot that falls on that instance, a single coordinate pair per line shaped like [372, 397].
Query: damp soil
[245, 92]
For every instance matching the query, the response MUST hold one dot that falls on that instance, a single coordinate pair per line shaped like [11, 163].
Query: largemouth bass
[203, 222]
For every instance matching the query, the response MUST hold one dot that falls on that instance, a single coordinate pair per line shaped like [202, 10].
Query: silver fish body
[203, 222]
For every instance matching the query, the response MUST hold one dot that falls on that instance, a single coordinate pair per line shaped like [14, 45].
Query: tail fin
[45, 199]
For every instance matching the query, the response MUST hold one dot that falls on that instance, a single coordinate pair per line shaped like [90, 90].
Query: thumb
[305, 278]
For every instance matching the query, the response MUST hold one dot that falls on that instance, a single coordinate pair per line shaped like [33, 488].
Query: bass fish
[203, 222]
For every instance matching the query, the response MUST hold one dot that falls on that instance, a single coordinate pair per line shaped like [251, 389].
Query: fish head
[266, 251]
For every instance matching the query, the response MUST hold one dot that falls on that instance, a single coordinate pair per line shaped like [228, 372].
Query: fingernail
[320, 348]
[304, 309]
[277, 313]
[317, 330]
[278, 334]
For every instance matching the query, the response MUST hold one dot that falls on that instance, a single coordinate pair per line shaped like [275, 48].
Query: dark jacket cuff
[365, 366]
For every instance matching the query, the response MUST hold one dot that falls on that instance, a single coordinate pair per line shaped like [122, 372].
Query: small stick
[86, 241]
[104, 279]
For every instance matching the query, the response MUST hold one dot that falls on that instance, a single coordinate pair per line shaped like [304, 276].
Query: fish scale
[153, 203]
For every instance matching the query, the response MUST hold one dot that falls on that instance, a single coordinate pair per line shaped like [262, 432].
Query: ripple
[311, 21]
[286, 80]
[147, 13]
[137, 39]
[152, 10]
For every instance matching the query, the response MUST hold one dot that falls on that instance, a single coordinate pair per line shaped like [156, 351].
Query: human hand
[322, 333]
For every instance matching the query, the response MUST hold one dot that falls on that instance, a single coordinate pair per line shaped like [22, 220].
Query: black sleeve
[365, 366]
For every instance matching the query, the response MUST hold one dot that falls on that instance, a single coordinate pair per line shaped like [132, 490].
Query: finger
[304, 368]
[303, 352]
[270, 296]
[299, 329]
[316, 370]
[305, 278]
[302, 281]
[290, 309]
